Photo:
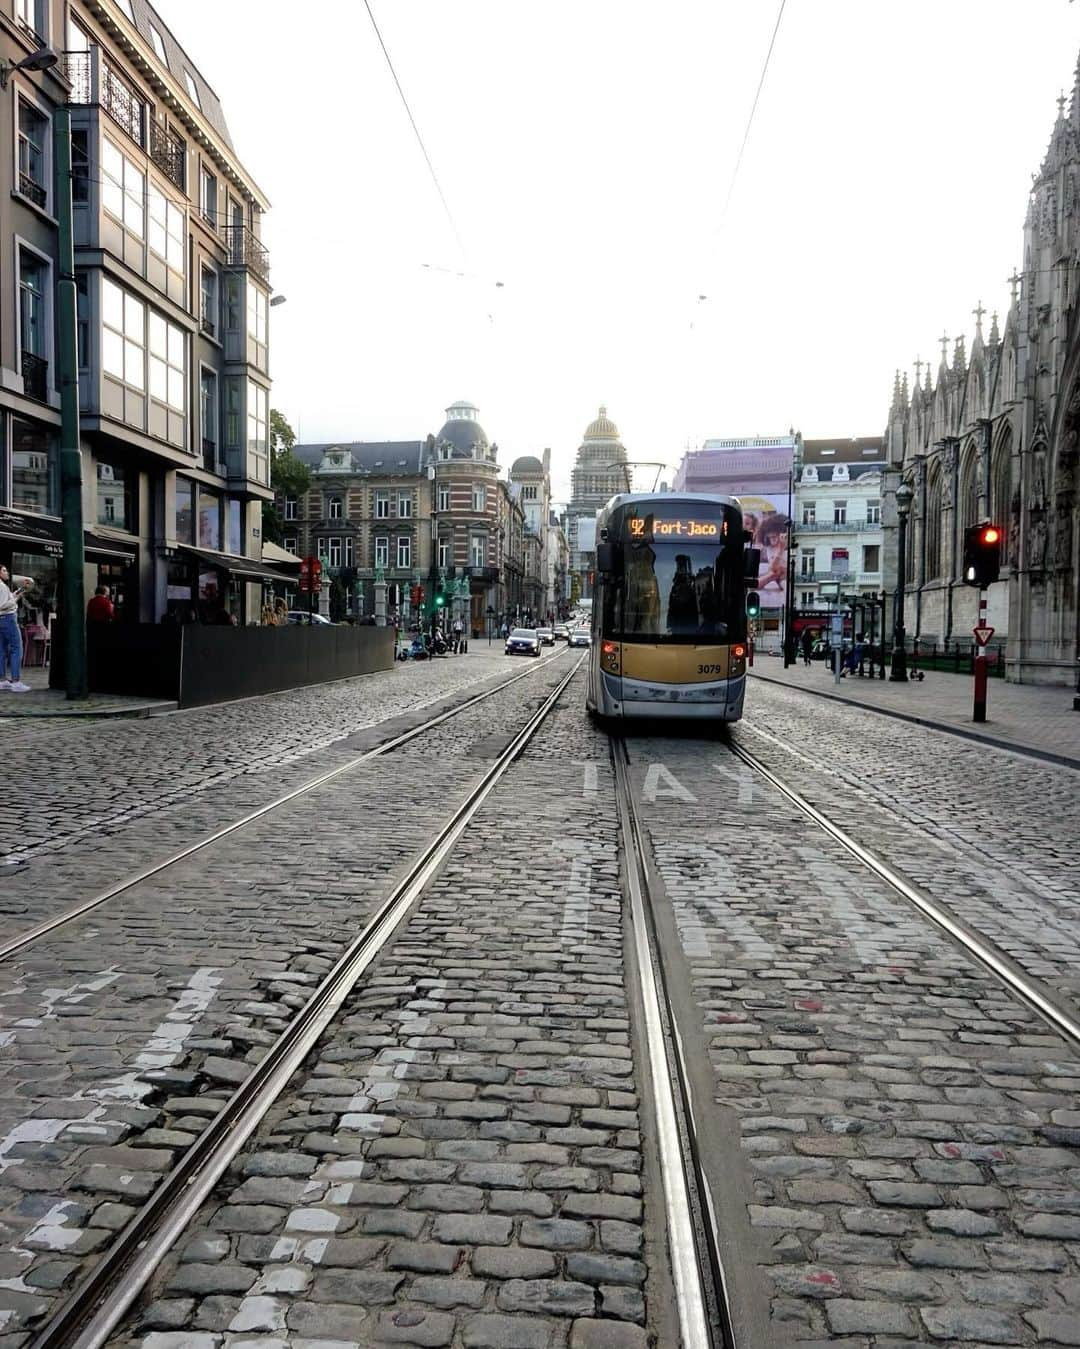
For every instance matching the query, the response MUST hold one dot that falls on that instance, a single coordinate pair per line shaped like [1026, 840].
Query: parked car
[547, 637]
[580, 637]
[523, 642]
[562, 632]
[302, 616]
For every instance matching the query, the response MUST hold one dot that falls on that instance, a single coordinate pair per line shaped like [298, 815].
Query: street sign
[310, 576]
[982, 633]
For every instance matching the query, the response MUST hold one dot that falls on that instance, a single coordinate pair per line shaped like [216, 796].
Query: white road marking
[661, 781]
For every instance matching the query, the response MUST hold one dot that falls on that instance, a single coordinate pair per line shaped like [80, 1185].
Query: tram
[669, 608]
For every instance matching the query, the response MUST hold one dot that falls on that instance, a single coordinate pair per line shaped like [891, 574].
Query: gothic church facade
[996, 436]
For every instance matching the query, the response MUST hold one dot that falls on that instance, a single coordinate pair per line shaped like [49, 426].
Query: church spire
[959, 358]
[995, 335]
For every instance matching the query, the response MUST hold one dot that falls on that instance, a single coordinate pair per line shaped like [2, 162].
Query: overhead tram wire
[753, 110]
[416, 132]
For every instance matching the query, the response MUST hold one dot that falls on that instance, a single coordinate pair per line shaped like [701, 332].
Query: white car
[547, 637]
[302, 616]
[562, 632]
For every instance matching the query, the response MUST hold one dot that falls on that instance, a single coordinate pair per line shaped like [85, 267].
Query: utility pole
[71, 481]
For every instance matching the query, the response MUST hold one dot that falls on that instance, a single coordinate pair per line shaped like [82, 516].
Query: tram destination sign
[646, 527]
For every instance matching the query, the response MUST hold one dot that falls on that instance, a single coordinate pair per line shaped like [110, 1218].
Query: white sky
[585, 148]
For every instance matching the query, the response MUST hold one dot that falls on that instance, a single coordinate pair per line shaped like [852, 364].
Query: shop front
[223, 589]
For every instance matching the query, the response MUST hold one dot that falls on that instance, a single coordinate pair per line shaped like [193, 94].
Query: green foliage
[289, 476]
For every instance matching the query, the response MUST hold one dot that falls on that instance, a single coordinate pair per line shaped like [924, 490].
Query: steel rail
[683, 1175]
[96, 1305]
[1060, 1016]
[23, 939]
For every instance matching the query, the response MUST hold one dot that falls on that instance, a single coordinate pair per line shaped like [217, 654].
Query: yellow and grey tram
[669, 608]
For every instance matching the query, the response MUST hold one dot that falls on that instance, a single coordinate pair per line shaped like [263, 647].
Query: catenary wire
[753, 110]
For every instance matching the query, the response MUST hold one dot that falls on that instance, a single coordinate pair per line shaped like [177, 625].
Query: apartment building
[174, 294]
[837, 533]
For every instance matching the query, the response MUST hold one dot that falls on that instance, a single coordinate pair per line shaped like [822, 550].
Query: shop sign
[310, 576]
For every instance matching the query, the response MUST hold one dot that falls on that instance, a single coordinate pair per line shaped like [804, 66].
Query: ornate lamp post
[898, 672]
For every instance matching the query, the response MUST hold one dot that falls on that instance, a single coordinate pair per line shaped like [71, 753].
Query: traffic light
[440, 598]
[982, 554]
[753, 604]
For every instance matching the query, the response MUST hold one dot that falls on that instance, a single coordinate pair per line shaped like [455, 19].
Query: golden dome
[603, 428]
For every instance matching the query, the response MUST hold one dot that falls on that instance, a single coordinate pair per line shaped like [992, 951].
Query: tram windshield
[681, 582]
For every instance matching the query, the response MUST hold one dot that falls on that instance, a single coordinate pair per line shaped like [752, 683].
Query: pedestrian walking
[807, 644]
[100, 609]
[10, 637]
[459, 629]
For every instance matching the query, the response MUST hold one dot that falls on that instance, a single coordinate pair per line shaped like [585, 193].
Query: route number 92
[710, 669]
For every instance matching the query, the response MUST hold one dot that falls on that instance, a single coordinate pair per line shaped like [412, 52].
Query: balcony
[169, 153]
[32, 189]
[35, 373]
[75, 67]
[122, 104]
[244, 250]
[833, 527]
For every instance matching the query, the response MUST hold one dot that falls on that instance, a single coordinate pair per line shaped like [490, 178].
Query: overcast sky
[585, 148]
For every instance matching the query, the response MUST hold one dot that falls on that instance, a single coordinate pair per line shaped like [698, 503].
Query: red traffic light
[991, 534]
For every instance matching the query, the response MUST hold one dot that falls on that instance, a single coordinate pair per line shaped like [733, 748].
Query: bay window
[123, 335]
[166, 229]
[258, 425]
[167, 364]
[122, 187]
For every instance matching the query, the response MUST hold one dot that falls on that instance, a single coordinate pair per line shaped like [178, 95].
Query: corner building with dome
[597, 476]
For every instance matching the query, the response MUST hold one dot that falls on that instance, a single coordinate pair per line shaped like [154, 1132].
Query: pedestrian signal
[982, 554]
[753, 604]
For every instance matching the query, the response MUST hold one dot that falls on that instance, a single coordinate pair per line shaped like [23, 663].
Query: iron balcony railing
[76, 70]
[168, 152]
[244, 250]
[35, 373]
[122, 104]
[833, 526]
[29, 187]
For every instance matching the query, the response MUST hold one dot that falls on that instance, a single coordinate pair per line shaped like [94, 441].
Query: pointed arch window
[932, 532]
[969, 488]
[1001, 481]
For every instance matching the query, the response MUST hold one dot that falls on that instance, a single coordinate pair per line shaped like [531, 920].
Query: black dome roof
[466, 437]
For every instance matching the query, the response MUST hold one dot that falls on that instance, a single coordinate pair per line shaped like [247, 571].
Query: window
[256, 324]
[479, 497]
[233, 310]
[969, 489]
[158, 44]
[167, 362]
[444, 552]
[873, 512]
[871, 557]
[209, 291]
[82, 319]
[185, 510]
[290, 543]
[334, 507]
[122, 186]
[209, 519]
[33, 298]
[809, 514]
[806, 563]
[839, 513]
[208, 197]
[114, 497]
[382, 552]
[932, 540]
[444, 498]
[166, 229]
[208, 413]
[382, 505]
[404, 551]
[123, 336]
[232, 414]
[333, 552]
[35, 485]
[235, 519]
[258, 425]
[192, 88]
[404, 506]
[348, 555]
[476, 549]
[290, 508]
[528, 492]
[33, 166]
[807, 599]
[31, 14]
[80, 168]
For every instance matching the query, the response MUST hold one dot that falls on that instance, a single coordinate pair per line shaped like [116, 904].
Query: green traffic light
[440, 600]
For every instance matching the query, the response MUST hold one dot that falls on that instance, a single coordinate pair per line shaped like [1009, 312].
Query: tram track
[20, 941]
[99, 1301]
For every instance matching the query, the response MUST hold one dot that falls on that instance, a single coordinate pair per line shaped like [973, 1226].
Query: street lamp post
[898, 673]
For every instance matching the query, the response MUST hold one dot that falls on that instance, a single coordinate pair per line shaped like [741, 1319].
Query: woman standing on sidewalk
[10, 636]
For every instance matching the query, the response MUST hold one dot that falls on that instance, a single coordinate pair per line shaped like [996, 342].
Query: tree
[289, 476]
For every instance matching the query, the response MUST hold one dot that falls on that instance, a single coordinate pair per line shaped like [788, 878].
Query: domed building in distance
[462, 436]
[598, 475]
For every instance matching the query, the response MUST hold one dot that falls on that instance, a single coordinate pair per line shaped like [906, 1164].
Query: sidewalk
[1030, 719]
[42, 701]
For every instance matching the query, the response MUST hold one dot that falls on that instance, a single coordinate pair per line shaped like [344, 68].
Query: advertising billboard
[767, 520]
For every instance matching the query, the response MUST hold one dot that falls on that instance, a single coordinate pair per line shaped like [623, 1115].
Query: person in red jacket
[100, 608]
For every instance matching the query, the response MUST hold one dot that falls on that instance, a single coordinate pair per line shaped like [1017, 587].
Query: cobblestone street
[469, 1154]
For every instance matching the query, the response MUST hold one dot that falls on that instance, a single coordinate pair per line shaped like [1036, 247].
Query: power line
[416, 130]
[753, 109]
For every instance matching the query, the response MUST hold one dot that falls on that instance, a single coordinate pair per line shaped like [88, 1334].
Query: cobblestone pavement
[987, 832]
[893, 1139]
[123, 1031]
[83, 858]
[460, 1161]
[79, 781]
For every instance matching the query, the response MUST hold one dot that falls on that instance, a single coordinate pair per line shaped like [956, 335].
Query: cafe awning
[243, 568]
[279, 556]
[45, 533]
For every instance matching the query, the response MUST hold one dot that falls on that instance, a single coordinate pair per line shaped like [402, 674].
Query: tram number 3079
[710, 669]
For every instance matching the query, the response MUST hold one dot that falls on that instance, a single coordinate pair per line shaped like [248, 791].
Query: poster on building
[766, 518]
